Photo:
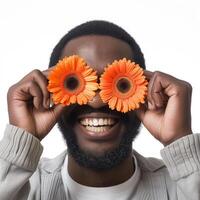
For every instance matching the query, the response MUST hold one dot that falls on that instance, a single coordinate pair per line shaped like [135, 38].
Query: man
[98, 167]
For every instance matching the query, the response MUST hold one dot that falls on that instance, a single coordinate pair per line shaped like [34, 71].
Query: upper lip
[98, 115]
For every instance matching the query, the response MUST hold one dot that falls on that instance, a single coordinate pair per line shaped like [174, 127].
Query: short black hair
[98, 27]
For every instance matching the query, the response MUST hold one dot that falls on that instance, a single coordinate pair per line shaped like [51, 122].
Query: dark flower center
[71, 82]
[123, 85]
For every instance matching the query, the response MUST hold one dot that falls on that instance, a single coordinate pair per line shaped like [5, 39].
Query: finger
[162, 86]
[157, 99]
[164, 98]
[42, 81]
[148, 74]
[166, 84]
[32, 91]
[141, 112]
[151, 103]
[46, 74]
[58, 109]
[156, 90]
[47, 71]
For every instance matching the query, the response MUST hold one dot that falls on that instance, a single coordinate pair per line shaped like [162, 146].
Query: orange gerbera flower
[72, 81]
[123, 85]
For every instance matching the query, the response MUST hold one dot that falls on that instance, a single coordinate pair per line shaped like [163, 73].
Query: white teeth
[97, 121]
[90, 122]
[100, 122]
[97, 129]
[84, 123]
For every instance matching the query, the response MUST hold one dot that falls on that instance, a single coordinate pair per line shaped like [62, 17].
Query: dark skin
[96, 51]
[166, 115]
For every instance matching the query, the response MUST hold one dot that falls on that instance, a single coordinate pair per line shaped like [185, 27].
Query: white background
[167, 31]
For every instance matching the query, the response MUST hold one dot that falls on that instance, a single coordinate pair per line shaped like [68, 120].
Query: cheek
[132, 119]
[68, 116]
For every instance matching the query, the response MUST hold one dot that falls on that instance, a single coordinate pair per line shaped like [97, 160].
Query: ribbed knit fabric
[20, 148]
[22, 176]
[54, 190]
[182, 157]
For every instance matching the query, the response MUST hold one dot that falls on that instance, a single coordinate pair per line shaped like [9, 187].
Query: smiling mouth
[99, 125]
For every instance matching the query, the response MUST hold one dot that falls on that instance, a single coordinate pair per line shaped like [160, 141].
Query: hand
[167, 115]
[29, 105]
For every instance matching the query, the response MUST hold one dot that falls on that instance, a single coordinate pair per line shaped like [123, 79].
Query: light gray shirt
[24, 176]
[76, 191]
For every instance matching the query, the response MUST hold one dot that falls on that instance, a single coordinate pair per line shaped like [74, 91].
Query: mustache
[74, 111]
[86, 109]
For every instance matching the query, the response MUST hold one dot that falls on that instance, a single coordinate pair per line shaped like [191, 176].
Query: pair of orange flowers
[122, 85]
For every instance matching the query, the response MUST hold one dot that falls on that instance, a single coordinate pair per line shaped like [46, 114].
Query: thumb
[57, 110]
[140, 113]
[54, 114]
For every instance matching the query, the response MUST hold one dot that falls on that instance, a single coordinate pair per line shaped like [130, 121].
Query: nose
[96, 102]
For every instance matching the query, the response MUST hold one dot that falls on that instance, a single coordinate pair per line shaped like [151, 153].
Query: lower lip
[105, 135]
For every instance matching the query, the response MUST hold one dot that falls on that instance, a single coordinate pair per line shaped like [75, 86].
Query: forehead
[97, 50]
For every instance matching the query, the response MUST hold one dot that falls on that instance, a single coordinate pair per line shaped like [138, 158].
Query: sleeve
[182, 159]
[19, 156]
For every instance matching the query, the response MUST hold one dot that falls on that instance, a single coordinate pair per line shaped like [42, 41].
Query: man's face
[98, 137]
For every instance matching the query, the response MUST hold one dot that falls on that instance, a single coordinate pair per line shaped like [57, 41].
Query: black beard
[109, 159]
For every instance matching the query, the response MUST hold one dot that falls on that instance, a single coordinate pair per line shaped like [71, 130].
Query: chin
[98, 139]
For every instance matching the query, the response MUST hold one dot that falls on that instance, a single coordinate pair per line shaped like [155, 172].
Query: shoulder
[153, 169]
[52, 165]
[149, 164]
[154, 177]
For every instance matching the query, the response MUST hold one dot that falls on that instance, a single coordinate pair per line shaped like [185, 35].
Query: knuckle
[36, 72]
[189, 86]
[11, 90]
[184, 87]
[31, 84]
[157, 73]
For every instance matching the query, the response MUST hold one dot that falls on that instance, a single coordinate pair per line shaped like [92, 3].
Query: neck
[94, 178]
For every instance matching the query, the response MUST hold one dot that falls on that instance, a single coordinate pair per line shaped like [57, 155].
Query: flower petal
[123, 100]
[75, 67]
